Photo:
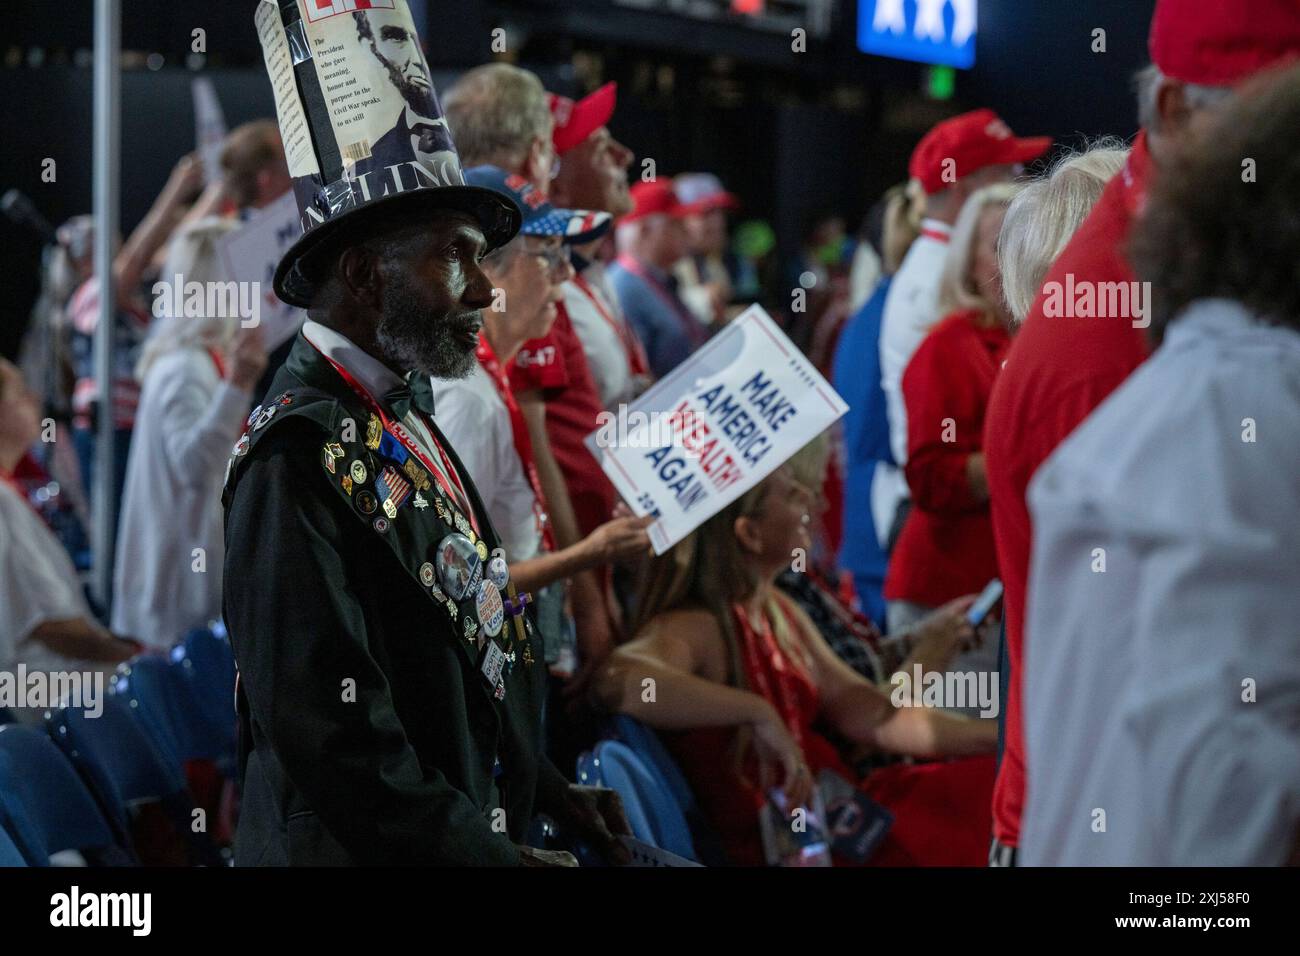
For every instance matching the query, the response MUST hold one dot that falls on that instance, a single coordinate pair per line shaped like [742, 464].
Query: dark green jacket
[368, 734]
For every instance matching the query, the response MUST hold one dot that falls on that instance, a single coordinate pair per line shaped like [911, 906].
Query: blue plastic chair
[647, 745]
[10, 855]
[167, 703]
[19, 829]
[204, 656]
[652, 811]
[40, 790]
[123, 767]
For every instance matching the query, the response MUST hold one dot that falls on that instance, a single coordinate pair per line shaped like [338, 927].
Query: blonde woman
[197, 374]
[1044, 216]
[741, 676]
[946, 546]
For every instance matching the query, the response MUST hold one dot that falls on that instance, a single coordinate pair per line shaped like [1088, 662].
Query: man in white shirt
[952, 161]
[1162, 656]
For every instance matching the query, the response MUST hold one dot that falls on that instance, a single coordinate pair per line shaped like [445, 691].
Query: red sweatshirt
[946, 547]
[1059, 369]
[557, 365]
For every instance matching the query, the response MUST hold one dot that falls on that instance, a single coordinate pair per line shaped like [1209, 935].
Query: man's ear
[533, 168]
[747, 533]
[1171, 108]
[358, 270]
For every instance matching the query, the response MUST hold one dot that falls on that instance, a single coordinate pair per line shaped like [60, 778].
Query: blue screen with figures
[928, 31]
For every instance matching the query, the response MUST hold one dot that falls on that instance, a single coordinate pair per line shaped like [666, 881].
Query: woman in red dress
[741, 679]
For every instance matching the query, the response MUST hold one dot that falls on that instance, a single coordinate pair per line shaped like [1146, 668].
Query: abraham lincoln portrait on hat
[419, 132]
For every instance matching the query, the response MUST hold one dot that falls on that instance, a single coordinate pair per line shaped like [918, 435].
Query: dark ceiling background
[793, 133]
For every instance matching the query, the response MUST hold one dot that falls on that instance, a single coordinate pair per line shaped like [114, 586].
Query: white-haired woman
[946, 549]
[198, 372]
[1044, 216]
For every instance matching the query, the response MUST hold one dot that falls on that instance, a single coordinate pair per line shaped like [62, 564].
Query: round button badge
[491, 612]
[458, 565]
[498, 572]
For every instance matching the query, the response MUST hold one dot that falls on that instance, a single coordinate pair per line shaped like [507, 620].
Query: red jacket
[946, 547]
[1058, 370]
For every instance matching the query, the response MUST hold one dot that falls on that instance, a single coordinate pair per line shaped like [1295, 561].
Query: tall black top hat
[364, 135]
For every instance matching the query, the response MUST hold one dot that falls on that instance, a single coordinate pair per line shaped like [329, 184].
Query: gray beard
[412, 338]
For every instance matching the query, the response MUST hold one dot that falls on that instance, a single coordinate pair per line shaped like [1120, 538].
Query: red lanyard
[445, 476]
[936, 235]
[636, 357]
[217, 361]
[519, 429]
[688, 321]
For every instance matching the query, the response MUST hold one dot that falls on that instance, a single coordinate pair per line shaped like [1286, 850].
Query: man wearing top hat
[390, 687]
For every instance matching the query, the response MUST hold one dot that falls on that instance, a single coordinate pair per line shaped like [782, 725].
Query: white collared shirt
[605, 350]
[376, 378]
[911, 308]
[476, 421]
[1164, 690]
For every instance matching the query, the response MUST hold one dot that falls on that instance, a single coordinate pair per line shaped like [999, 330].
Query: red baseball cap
[575, 121]
[656, 196]
[971, 141]
[1222, 42]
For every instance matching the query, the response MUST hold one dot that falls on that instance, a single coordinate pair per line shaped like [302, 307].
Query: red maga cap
[656, 196]
[972, 141]
[1223, 42]
[575, 121]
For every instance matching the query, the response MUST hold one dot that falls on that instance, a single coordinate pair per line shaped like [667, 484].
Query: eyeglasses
[557, 257]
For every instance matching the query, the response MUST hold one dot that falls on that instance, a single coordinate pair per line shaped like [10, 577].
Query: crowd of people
[1082, 381]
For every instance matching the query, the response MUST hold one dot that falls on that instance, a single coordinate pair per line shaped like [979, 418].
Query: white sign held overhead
[209, 127]
[252, 252]
[714, 427]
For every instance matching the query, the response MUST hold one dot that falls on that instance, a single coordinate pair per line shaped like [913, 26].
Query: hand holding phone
[985, 603]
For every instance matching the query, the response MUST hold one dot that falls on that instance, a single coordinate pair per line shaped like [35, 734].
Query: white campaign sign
[715, 426]
[209, 127]
[251, 254]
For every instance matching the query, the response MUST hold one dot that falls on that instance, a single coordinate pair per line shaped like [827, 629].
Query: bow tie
[415, 392]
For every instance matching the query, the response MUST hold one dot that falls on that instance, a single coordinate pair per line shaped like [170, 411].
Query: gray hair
[1197, 96]
[956, 292]
[193, 256]
[495, 111]
[1041, 220]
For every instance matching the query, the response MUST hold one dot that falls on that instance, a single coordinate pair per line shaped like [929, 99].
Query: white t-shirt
[605, 351]
[477, 423]
[1164, 690]
[171, 504]
[911, 309]
[37, 584]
